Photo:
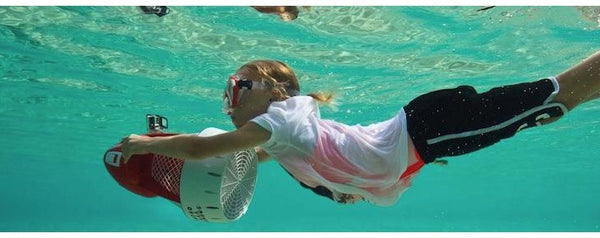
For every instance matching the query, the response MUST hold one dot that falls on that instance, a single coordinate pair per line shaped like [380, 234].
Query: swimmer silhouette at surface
[156, 10]
[374, 163]
[288, 13]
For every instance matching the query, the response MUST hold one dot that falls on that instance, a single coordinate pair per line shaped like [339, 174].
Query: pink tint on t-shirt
[333, 166]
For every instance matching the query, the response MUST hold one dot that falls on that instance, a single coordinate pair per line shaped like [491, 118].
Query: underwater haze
[75, 80]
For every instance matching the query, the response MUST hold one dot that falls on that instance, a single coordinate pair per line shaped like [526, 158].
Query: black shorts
[453, 122]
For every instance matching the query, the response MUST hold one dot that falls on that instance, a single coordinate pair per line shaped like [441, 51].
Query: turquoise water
[74, 80]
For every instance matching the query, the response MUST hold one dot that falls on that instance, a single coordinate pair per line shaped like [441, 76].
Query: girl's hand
[133, 145]
[346, 198]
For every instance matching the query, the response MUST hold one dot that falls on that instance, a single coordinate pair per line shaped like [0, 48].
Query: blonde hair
[282, 78]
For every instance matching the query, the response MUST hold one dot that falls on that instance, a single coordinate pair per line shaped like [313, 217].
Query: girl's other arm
[262, 155]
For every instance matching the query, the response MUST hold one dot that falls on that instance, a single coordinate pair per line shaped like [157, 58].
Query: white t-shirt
[366, 160]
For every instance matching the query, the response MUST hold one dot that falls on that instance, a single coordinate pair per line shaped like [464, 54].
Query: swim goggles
[236, 86]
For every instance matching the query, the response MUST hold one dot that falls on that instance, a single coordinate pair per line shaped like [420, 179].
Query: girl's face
[250, 103]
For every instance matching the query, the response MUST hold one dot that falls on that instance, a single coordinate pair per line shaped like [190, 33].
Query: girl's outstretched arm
[191, 146]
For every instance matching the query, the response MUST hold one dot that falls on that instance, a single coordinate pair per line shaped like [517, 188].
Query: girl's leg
[580, 83]
[452, 122]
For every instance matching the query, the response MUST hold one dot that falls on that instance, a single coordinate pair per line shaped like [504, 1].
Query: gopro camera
[156, 122]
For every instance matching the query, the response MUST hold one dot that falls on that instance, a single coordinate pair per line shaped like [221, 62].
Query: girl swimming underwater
[377, 162]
